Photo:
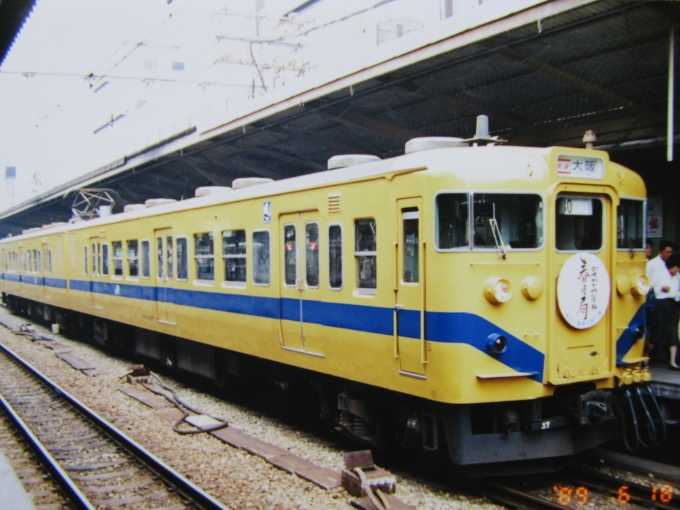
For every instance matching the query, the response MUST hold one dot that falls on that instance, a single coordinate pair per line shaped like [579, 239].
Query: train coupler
[594, 408]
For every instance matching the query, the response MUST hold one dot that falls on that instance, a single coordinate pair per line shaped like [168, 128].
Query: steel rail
[76, 497]
[199, 497]
[517, 498]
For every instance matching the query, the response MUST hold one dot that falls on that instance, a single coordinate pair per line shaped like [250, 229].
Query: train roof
[434, 161]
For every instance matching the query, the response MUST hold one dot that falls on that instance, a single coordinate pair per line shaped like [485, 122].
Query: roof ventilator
[482, 134]
[91, 203]
[433, 142]
[153, 202]
[211, 190]
[245, 182]
[133, 207]
[345, 160]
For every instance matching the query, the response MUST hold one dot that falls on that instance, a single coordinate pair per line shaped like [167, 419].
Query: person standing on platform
[667, 292]
[649, 249]
[656, 265]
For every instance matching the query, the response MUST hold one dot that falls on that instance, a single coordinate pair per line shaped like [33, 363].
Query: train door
[410, 283]
[581, 346]
[300, 281]
[94, 271]
[165, 276]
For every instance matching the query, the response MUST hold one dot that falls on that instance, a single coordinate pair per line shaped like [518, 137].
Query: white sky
[55, 121]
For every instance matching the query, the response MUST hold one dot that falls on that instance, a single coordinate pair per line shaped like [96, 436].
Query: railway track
[588, 486]
[95, 464]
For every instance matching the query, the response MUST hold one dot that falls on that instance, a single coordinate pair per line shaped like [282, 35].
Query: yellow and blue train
[484, 301]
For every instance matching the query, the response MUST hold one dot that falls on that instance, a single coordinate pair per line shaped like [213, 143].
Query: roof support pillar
[671, 86]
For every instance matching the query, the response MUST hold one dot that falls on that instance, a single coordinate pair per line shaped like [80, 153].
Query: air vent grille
[334, 203]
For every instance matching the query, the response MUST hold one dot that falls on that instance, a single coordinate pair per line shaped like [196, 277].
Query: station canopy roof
[603, 66]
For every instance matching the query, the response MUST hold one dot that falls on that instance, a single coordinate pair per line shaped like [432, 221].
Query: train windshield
[515, 219]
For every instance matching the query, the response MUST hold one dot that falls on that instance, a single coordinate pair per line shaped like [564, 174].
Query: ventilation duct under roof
[153, 202]
[133, 207]
[433, 142]
[245, 182]
[211, 190]
[345, 160]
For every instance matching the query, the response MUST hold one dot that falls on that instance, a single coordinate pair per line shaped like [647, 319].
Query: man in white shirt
[657, 265]
[667, 292]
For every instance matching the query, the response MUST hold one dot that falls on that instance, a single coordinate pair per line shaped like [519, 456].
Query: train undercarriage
[480, 439]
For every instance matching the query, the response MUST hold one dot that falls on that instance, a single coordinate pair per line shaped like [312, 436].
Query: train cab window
[105, 259]
[146, 259]
[579, 223]
[261, 257]
[365, 253]
[507, 219]
[452, 217]
[289, 255]
[117, 248]
[234, 255]
[335, 257]
[87, 260]
[312, 254]
[630, 224]
[205, 256]
[133, 258]
[182, 259]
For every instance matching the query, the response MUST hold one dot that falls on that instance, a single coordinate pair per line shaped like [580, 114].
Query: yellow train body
[445, 305]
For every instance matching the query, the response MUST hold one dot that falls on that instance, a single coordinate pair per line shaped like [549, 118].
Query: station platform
[14, 496]
[665, 382]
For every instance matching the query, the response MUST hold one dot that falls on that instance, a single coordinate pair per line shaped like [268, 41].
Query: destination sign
[580, 167]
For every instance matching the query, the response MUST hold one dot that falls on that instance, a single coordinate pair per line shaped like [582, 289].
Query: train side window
[290, 255]
[94, 259]
[169, 255]
[146, 258]
[579, 223]
[105, 259]
[312, 249]
[335, 257]
[117, 247]
[365, 254]
[452, 221]
[133, 258]
[205, 256]
[99, 258]
[261, 257]
[87, 260]
[159, 252]
[630, 224]
[182, 259]
[37, 261]
[234, 255]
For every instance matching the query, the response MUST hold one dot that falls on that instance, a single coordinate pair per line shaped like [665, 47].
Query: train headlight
[496, 344]
[623, 285]
[497, 290]
[532, 287]
[639, 285]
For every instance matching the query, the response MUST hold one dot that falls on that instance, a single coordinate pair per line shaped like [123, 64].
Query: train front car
[535, 302]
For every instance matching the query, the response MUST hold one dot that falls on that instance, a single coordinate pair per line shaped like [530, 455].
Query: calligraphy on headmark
[583, 290]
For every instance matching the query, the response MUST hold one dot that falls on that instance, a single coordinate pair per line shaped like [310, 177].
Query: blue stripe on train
[440, 327]
[464, 328]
